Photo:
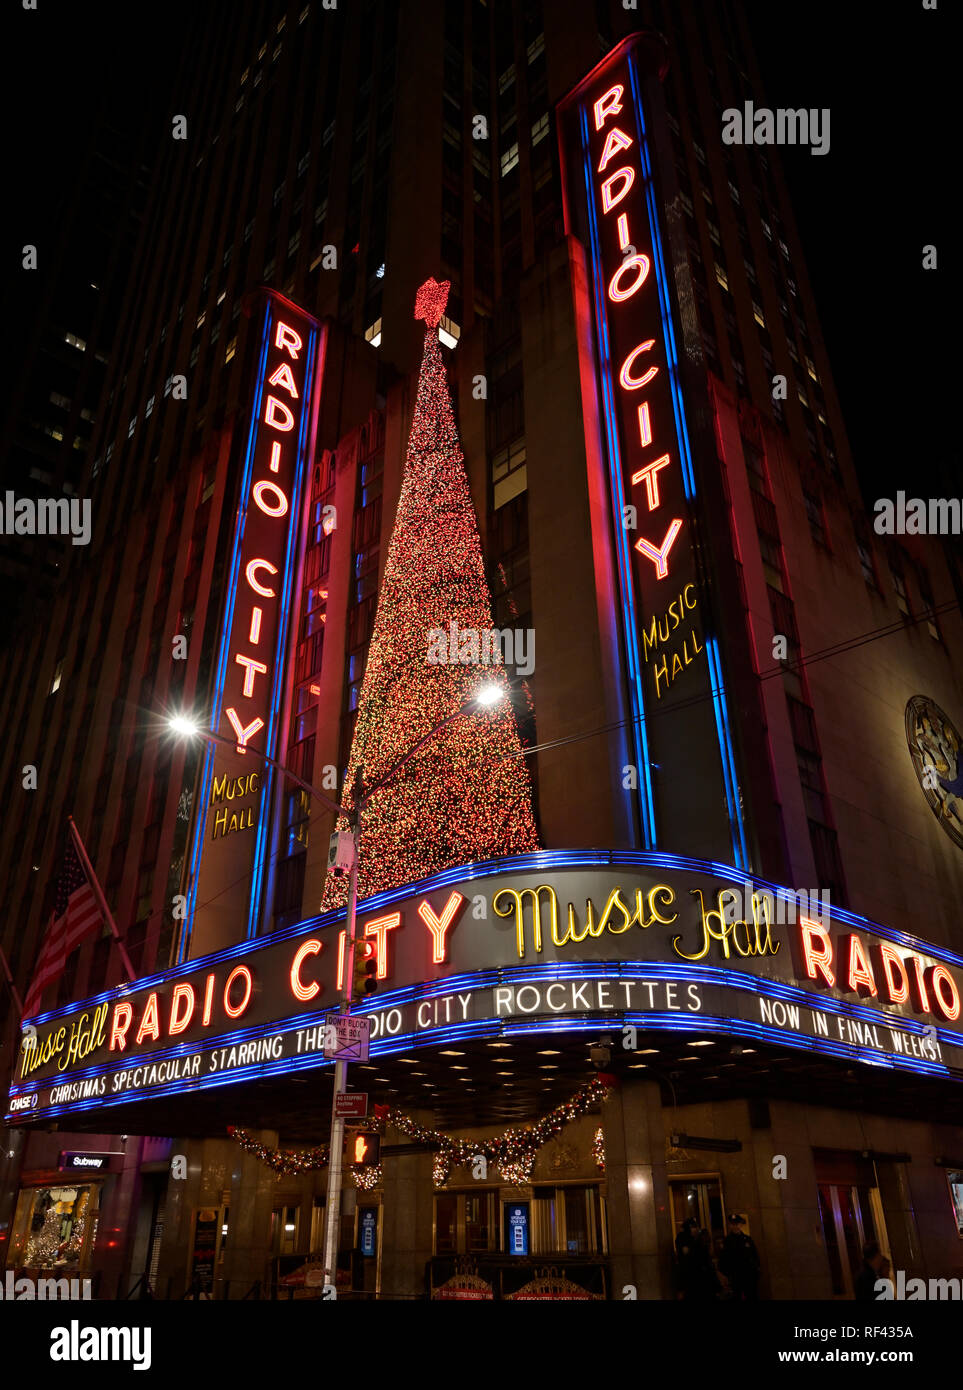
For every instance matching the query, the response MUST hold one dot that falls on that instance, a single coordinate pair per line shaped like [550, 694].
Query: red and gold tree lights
[465, 795]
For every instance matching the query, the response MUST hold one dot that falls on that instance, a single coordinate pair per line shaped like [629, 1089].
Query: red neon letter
[645, 425]
[922, 999]
[438, 926]
[660, 557]
[240, 972]
[299, 990]
[254, 636]
[609, 105]
[895, 978]
[250, 575]
[283, 378]
[243, 734]
[281, 501]
[859, 973]
[150, 1022]
[286, 420]
[817, 951]
[379, 929]
[275, 463]
[622, 223]
[341, 940]
[208, 999]
[642, 264]
[650, 473]
[181, 1021]
[946, 996]
[286, 337]
[632, 383]
[615, 141]
[253, 668]
[119, 1024]
[610, 199]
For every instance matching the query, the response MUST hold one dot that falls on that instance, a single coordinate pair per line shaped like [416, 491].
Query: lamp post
[361, 795]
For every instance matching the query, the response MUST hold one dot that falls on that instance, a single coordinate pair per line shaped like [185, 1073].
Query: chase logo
[27, 1102]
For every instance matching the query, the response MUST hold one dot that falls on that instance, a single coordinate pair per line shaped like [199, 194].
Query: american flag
[76, 914]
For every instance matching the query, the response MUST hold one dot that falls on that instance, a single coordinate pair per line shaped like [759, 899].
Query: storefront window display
[55, 1227]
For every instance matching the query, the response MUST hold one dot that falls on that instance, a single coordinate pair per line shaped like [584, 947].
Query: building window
[814, 514]
[902, 598]
[57, 676]
[372, 334]
[76, 342]
[509, 159]
[866, 563]
[509, 472]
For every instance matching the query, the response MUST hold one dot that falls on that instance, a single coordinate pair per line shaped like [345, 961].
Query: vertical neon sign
[232, 829]
[682, 738]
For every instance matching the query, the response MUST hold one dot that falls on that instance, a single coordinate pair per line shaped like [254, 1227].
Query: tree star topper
[430, 301]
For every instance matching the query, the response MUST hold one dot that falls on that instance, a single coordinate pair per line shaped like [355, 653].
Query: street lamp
[486, 698]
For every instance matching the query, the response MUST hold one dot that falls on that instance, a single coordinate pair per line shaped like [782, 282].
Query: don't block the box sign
[234, 817]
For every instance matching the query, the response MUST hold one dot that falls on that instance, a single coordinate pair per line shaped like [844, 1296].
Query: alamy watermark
[760, 126]
[916, 1290]
[46, 516]
[26, 1290]
[469, 646]
[778, 908]
[932, 516]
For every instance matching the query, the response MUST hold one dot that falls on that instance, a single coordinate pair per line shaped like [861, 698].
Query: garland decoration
[513, 1153]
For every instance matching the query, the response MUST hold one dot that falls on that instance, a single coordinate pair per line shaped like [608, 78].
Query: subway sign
[230, 851]
[673, 670]
[540, 942]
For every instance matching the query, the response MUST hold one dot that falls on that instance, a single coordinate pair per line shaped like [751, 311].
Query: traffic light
[362, 1150]
[365, 968]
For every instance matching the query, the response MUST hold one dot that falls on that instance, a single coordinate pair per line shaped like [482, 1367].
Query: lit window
[62, 401]
[509, 159]
[536, 47]
[722, 277]
[200, 320]
[506, 79]
[57, 675]
[76, 342]
[149, 407]
[167, 386]
[734, 192]
[280, 24]
[540, 129]
[244, 76]
[448, 332]
[373, 334]
[304, 14]
[757, 314]
[294, 242]
[766, 229]
[53, 432]
[131, 426]
[276, 54]
[238, 104]
[231, 349]
[248, 230]
[380, 272]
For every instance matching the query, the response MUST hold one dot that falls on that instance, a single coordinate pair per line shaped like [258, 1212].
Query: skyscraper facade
[738, 719]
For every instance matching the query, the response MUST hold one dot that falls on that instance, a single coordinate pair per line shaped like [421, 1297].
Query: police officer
[739, 1261]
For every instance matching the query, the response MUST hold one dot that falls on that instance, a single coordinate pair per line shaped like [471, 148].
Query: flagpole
[13, 988]
[101, 900]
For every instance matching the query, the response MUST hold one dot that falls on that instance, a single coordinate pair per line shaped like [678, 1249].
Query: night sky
[864, 210]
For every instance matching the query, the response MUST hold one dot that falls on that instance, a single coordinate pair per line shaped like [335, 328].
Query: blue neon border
[716, 684]
[546, 859]
[220, 670]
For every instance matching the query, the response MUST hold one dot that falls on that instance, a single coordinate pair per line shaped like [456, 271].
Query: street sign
[351, 1105]
[346, 1037]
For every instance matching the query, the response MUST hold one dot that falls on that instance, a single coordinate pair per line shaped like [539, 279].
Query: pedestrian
[685, 1243]
[739, 1261]
[875, 1267]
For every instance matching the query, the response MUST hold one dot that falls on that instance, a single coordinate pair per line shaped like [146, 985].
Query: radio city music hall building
[681, 917]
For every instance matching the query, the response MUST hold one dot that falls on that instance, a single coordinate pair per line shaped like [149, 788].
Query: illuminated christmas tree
[465, 795]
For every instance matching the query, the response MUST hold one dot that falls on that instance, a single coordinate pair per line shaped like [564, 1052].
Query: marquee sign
[233, 815]
[544, 941]
[672, 659]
